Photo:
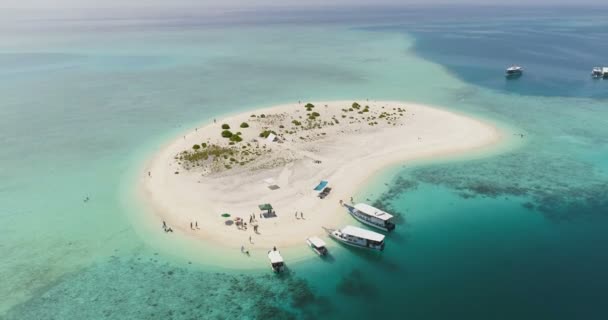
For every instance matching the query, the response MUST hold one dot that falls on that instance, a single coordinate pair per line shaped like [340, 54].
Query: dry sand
[349, 152]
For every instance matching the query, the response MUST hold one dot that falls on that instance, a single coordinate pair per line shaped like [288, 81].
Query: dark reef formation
[141, 288]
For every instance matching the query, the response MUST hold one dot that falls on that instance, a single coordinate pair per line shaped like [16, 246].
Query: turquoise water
[512, 235]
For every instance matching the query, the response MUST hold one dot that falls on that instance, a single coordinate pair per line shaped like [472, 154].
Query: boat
[605, 72]
[357, 237]
[371, 216]
[276, 260]
[514, 71]
[317, 245]
[597, 72]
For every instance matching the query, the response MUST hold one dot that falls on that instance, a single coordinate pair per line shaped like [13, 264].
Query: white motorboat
[317, 245]
[371, 216]
[276, 260]
[357, 237]
[514, 71]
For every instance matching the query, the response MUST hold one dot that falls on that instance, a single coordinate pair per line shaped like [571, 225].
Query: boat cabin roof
[275, 257]
[372, 211]
[317, 242]
[605, 69]
[362, 233]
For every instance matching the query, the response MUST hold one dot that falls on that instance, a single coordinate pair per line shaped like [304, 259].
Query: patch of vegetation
[196, 147]
[236, 138]
[309, 106]
[262, 116]
[225, 126]
[296, 122]
[244, 125]
[266, 133]
[204, 145]
[356, 105]
[226, 134]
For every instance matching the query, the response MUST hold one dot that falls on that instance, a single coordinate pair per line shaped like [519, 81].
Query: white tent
[271, 137]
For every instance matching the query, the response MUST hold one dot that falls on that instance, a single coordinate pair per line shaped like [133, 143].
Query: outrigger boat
[358, 237]
[371, 216]
[317, 245]
[276, 261]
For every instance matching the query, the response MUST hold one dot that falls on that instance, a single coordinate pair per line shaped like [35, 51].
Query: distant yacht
[514, 71]
[358, 237]
[597, 72]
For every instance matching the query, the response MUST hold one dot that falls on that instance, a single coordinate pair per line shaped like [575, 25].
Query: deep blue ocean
[519, 234]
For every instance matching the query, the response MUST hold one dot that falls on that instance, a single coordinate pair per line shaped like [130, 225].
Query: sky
[65, 4]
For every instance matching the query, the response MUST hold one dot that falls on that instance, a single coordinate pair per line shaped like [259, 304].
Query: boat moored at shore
[317, 245]
[276, 260]
[371, 216]
[357, 237]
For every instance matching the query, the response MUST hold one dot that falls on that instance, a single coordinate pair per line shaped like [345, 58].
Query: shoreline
[179, 208]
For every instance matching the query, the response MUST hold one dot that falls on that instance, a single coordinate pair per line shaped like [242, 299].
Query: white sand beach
[342, 145]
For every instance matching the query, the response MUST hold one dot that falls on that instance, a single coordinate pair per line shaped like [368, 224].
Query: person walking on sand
[302, 214]
[164, 225]
[196, 224]
[242, 248]
[297, 215]
[250, 238]
[191, 226]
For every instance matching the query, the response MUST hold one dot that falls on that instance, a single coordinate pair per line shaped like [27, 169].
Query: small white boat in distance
[358, 237]
[605, 72]
[317, 245]
[276, 261]
[514, 71]
[371, 216]
[597, 72]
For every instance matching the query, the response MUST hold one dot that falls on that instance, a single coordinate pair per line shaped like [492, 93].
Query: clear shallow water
[515, 235]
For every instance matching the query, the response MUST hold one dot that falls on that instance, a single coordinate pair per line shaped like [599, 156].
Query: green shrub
[262, 116]
[296, 122]
[236, 138]
[225, 126]
[204, 145]
[226, 134]
[315, 114]
[244, 125]
[196, 147]
[266, 133]
[281, 126]
[356, 105]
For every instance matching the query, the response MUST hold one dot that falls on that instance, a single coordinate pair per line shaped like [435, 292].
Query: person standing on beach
[196, 224]
[302, 214]
[164, 225]
[191, 226]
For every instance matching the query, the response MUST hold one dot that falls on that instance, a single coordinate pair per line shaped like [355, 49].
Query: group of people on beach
[195, 226]
[301, 215]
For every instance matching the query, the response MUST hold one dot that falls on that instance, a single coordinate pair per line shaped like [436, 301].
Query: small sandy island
[279, 155]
